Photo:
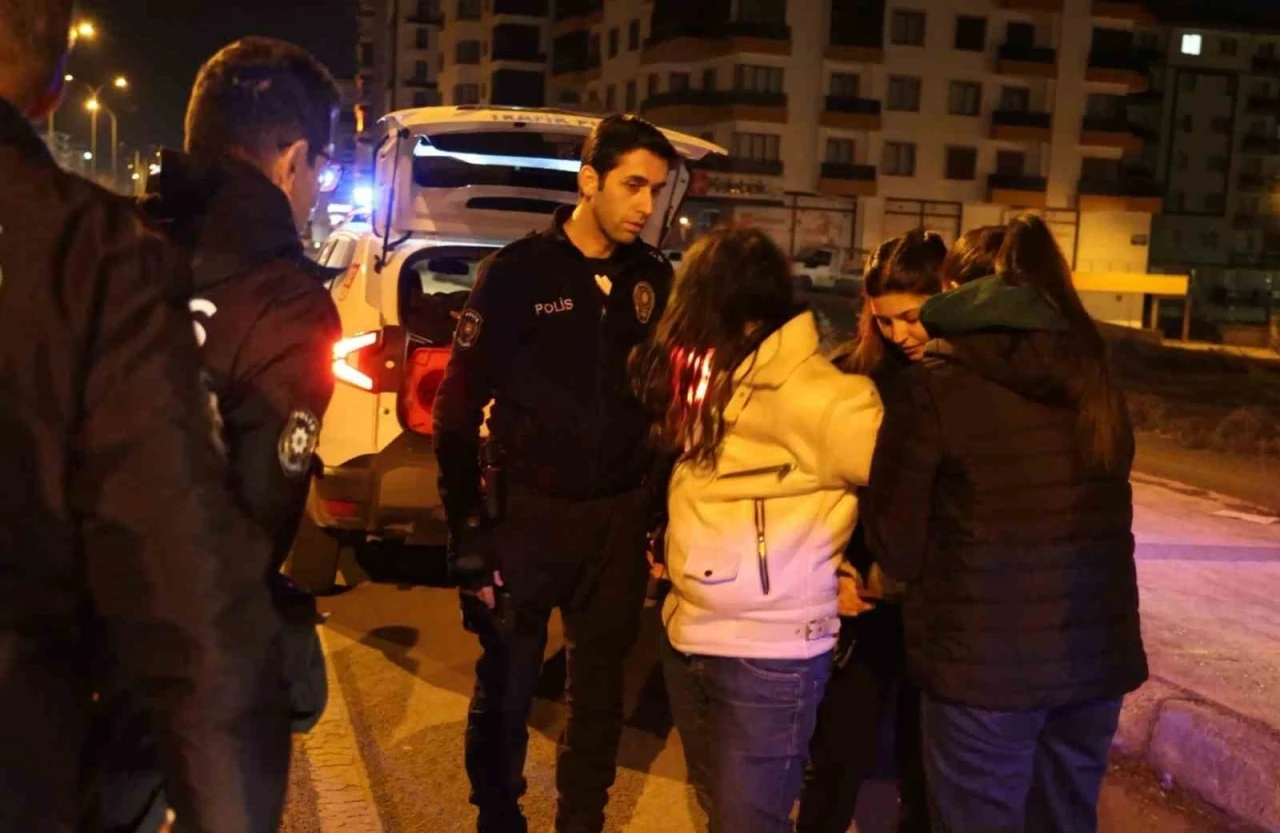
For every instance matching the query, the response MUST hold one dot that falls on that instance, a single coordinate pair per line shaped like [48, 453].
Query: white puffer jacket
[752, 547]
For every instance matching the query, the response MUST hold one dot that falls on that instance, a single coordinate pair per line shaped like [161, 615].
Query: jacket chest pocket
[760, 513]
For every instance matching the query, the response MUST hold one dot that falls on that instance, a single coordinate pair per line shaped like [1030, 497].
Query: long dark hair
[973, 256]
[1030, 257]
[901, 264]
[732, 292]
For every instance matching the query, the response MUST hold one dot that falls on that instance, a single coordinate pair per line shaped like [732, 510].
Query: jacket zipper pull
[762, 548]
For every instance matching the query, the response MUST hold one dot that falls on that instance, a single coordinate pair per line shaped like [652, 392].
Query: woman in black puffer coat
[1000, 495]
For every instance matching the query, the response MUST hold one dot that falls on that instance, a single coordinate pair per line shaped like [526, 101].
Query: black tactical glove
[471, 558]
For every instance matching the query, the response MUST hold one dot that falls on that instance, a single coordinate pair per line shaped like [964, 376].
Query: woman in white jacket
[772, 441]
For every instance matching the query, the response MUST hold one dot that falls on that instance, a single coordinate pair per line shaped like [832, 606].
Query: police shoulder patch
[298, 442]
[468, 332]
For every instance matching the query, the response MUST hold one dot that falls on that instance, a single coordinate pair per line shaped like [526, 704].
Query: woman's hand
[851, 598]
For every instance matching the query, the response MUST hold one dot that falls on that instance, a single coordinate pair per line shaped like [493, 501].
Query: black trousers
[586, 558]
[868, 682]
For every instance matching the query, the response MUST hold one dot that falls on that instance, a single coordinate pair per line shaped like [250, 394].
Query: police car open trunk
[471, 179]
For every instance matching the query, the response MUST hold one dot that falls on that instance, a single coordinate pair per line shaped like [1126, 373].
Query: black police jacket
[265, 323]
[546, 335]
[120, 544]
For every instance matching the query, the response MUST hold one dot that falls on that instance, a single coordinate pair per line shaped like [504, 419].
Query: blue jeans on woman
[745, 725]
[1038, 771]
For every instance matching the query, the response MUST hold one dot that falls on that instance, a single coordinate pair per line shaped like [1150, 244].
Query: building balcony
[420, 83]
[741, 165]
[1246, 220]
[426, 17]
[1131, 193]
[575, 15]
[1266, 66]
[1150, 97]
[713, 40]
[710, 106]
[524, 8]
[868, 50]
[525, 56]
[1112, 133]
[838, 179]
[1018, 190]
[850, 113]
[1030, 5]
[571, 68]
[1261, 145]
[1134, 11]
[1027, 61]
[1021, 126]
[1262, 106]
[1257, 183]
[1123, 69]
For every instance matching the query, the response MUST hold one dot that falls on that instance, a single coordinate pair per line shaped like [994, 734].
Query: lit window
[1191, 44]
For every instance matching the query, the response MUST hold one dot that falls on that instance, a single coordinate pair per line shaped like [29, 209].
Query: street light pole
[93, 138]
[115, 151]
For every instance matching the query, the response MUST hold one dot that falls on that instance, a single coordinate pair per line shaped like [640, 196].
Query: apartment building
[849, 121]
[1218, 101]
[399, 55]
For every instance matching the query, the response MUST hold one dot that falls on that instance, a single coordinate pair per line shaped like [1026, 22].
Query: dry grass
[1203, 400]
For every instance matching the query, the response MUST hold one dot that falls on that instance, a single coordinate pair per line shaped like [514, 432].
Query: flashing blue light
[569, 165]
[362, 196]
[329, 177]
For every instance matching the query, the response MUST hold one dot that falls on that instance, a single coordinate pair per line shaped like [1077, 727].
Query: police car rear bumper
[391, 495]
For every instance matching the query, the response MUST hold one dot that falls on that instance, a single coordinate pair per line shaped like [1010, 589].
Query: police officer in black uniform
[546, 335]
[122, 554]
[259, 146]
[258, 137]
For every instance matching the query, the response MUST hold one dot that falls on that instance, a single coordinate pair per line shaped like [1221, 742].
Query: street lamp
[93, 105]
[85, 29]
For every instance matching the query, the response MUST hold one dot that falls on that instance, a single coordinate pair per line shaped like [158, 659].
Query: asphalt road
[388, 756]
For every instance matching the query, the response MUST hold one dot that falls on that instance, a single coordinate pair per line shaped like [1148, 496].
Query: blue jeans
[1036, 771]
[745, 725]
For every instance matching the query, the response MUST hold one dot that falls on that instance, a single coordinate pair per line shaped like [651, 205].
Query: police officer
[122, 554]
[259, 148]
[546, 334]
[258, 139]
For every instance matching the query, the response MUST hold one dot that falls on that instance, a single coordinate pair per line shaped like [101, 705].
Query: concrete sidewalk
[1209, 718]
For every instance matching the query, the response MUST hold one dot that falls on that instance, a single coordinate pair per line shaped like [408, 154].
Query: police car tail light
[425, 372]
[355, 360]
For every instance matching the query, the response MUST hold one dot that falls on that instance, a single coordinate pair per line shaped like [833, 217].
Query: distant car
[827, 267]
[452, 185]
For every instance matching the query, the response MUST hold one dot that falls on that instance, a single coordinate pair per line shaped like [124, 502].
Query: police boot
[509, 819]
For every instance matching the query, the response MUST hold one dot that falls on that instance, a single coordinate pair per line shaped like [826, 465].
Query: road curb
[1229, 760]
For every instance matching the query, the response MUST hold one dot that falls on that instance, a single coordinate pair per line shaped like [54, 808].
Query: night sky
[159, 45]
